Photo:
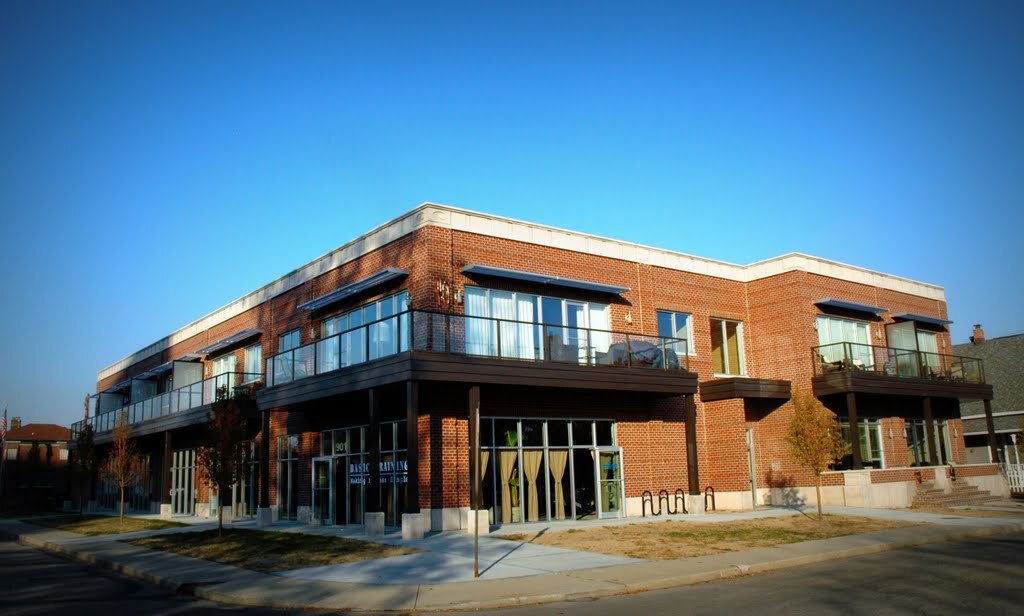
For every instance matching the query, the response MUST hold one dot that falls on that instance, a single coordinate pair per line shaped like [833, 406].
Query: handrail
[893, 361]
[177, 400]
[426, 330]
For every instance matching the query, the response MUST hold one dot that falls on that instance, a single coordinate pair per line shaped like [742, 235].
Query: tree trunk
[122, 505]
[220, 515]
[817, 489]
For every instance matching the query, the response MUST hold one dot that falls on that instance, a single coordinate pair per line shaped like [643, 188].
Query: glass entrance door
[609, 477]
[323, 490]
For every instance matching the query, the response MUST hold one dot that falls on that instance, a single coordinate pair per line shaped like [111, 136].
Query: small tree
[221, 459]
[85, 455]
[123, 466]
[815, 438]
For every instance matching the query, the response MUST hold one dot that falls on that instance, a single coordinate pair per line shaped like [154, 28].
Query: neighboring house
[35, 465]
[604, 370]
[1005, 372]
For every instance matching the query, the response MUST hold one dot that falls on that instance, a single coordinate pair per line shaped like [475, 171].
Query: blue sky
[158, 160]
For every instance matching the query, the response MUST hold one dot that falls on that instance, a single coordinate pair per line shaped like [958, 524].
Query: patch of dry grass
[101, 524]
[672, 539]
[268, 551]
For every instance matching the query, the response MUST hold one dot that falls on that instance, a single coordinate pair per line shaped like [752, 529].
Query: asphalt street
[979, 576]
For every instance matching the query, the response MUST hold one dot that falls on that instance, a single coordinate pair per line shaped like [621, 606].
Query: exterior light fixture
[629, 318]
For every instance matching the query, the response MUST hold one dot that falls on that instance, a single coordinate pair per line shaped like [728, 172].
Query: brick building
[600, 371]
[35, 466]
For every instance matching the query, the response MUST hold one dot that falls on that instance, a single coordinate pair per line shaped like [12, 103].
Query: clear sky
[158, 160]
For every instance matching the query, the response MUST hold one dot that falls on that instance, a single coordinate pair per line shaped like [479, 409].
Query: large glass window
[870, 444]
[288, 341]
[387, 333]
[508, 324]
[727, 347]
[928, 344]
[253, 361]
[676, 325]
[287, 476]
[833, 330]
[223, 371]
[547, 469]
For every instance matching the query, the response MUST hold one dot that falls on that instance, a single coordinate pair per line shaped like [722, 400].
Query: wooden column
[851, 412]
[475, 488]
[264, 460]
[929, 428]
[690, 417]
[165, 498]
[373, 451]
[412, 440]
[990, 426]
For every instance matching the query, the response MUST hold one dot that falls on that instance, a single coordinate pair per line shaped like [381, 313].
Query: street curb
[614, 588]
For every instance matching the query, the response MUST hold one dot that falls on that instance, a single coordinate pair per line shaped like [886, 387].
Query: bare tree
[123, 466]
[221, 460]
[815, 438]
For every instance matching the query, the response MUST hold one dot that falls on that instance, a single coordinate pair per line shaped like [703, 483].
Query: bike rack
[681, 499]
[712, 491]
[648, 498]
[667, 503]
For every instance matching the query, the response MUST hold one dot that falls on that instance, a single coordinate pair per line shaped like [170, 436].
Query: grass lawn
[101, 524]
[267, 551]
[670, 539]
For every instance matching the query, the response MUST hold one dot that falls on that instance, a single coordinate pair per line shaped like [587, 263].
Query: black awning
[233, 339]
[373, 280]
[830, 302]
[918, 318]
[545, 279]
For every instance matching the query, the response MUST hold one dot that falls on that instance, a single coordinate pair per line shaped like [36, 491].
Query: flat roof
[433, 214]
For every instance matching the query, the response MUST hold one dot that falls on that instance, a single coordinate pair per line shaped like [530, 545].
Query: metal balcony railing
[896, 362]
[420, 330]
[176, 401]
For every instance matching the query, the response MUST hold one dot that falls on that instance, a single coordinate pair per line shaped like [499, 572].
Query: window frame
[691, 349]
[740, 347]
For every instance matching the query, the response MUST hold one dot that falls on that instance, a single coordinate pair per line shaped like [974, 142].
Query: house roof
[39, 432]
[1003, 370]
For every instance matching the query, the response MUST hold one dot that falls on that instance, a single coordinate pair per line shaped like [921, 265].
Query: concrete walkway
[514, 573]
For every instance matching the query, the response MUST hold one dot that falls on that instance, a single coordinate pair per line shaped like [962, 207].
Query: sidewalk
[440, 577]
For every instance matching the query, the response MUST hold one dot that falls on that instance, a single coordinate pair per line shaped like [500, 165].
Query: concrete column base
[373, 523]
[478, 518]
[414, 526]
[264, 516]
[227, 514]
[90, 506]
[166, 511]
[68, 506]
[695, 504]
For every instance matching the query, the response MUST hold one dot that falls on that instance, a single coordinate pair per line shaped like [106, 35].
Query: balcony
[851, 367]
[175, 403]
[424, 345]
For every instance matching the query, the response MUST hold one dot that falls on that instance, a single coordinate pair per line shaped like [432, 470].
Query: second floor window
[288, 341]
[676, 325]
[727, 347]
[253, 361]
[832, 331]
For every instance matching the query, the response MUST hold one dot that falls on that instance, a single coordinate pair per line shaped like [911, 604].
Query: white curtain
[600, 323]
[477, 329]
[503, 307]
[527, 334]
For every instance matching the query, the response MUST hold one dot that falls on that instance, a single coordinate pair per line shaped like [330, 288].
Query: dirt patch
[269, 551]
[672, 539]
[101, 524]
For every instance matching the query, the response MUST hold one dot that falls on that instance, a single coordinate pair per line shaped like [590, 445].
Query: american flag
[3, 426]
